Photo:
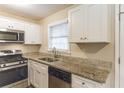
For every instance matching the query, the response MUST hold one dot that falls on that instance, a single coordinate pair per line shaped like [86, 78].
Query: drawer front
[39, 65]
[80, 82]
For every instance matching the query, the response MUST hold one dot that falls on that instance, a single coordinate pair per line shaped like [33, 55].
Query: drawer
[80, 82]
[39, 65]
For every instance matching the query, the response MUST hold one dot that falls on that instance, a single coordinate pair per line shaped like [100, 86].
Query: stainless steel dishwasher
[59, 78]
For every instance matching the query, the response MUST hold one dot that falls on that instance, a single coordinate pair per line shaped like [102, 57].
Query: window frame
[57, 23]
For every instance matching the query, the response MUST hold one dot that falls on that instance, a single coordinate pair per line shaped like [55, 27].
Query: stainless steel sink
[48, 59]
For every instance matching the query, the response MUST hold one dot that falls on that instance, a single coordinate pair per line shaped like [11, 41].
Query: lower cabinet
[38, 74]
[80, 82]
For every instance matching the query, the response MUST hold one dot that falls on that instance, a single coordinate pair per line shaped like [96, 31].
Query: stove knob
[2, 65]
[21, 62]
[25, 61]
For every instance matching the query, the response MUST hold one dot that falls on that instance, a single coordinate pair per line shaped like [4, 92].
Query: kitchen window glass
[58, 36]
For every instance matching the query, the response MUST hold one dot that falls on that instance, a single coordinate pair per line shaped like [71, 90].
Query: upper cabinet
[11, 23]
[122, 8]
[32, 33]
[90, 24]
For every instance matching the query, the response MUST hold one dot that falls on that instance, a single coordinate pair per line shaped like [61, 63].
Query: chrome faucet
[55, 53]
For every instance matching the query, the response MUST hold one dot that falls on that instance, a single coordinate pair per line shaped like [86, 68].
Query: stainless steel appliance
[13, 67]
[9, 35]
[59, 78]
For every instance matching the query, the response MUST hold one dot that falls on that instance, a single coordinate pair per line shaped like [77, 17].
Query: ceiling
[33, 11]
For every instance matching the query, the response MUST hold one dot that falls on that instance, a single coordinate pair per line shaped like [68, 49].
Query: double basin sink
[49, 59]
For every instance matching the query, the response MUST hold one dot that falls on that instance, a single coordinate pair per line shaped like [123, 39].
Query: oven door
[8, 36]
[13, 75]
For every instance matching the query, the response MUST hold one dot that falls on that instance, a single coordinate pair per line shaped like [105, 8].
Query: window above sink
[58, 34]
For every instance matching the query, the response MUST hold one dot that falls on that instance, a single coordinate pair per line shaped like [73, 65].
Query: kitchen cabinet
[38, 74]
[90, 23]
[122, 8]
[17, 25]
[80, 82]
[77, 23]
[11, 23]
[32, 33]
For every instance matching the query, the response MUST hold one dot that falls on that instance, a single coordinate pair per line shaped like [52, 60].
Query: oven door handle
[11, 67]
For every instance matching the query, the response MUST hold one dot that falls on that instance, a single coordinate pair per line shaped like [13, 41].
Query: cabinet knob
[85, 38]
[81, 38]
[83, 83]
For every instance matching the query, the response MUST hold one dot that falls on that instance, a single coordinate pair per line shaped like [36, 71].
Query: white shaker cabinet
[90, 23]
[38, 74]
[10, 23]
[3, 23]
[17, 25]
[32, 33]
[77, 23]
[121, 7]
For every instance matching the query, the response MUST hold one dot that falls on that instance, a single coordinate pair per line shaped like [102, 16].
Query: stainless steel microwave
[9, 35]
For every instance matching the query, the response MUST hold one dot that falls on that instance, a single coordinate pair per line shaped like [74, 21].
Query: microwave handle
[18, 36]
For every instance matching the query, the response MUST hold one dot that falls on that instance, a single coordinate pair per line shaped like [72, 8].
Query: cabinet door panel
[122, 51]
[4, 23]
[31, 74]
[122, 8]
[97, 22]
[38, 74]
[77, 23]
[37, 78]
[18, 25]
[32, 34]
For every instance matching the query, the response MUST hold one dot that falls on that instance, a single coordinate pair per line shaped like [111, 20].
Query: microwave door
[8, 36]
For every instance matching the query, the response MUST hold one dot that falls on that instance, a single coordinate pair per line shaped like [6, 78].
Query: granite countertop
[92, 69]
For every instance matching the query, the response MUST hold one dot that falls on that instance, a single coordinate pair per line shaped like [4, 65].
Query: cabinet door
[44, 76]
[17, 25]
[36, 31]
[77, 23]
[32, 34]
[38, 74]
[40, 78]
[122, 51]
[37, 78]
[122, 8]
[4, 23]
[98, 23]
[31, 74]
[11, 23]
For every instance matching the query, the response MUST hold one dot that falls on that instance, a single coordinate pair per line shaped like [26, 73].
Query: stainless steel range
[13, 67]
